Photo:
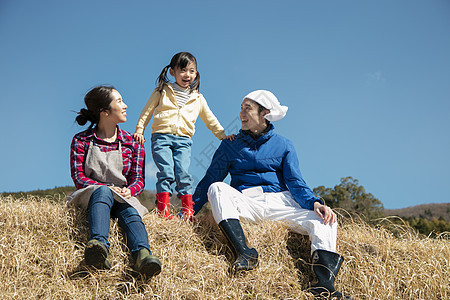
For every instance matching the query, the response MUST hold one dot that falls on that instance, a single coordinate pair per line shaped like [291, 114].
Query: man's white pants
[254, 205]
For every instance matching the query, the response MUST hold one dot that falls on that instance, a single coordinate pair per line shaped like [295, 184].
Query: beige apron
[104, 167]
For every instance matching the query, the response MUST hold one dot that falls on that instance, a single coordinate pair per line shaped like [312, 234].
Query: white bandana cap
[269, 101]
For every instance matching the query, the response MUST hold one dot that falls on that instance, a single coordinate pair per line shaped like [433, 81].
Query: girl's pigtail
[195, 86]
[162, 79]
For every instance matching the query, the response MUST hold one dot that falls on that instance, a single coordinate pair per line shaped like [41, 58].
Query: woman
[107, 169]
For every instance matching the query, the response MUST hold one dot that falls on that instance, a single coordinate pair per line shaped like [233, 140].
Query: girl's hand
[230, 137]
[325, 213]
[139, 137]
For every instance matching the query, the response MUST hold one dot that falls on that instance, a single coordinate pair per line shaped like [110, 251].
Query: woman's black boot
[147, 264]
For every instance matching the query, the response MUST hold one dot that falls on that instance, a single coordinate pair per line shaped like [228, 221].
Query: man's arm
[294, 180]
[217, 171]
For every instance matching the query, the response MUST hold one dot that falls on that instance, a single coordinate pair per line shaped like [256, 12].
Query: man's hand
[139, 137]
[325, 213]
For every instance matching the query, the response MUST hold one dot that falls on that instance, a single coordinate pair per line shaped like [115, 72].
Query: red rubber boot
[187, 207]
[162, 203]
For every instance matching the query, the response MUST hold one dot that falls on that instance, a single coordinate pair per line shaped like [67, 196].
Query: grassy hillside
[429, 211]
[42, 245]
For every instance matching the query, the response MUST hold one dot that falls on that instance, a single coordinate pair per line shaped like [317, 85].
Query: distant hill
[62, 192]
[54, 193]
[426, 211]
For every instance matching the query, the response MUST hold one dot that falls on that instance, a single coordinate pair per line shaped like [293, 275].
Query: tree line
[350, 196]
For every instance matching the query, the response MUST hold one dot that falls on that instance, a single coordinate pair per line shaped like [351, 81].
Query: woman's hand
[124, 192]
[139, 137]
[325, 213]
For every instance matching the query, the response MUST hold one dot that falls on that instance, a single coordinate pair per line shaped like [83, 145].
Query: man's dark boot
[246, 258]
[325, 266]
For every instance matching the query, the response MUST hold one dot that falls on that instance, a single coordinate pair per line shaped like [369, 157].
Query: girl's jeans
[102, 206]
[172, 156]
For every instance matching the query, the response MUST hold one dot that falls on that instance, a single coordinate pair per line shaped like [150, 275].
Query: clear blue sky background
[367, 82]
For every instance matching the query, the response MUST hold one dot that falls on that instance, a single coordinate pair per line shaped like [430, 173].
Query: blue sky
[367, 82]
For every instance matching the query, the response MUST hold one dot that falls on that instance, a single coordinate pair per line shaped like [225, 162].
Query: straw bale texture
[42, 245]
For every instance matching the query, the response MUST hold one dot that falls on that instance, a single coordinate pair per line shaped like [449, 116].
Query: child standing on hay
[175, 108]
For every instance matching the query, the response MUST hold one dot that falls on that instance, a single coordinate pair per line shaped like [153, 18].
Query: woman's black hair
[179, 60]
[97, 100]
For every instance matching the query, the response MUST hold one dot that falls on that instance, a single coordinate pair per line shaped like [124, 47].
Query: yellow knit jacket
[180, 121]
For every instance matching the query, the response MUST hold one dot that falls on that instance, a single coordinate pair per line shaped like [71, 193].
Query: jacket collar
[169, 87]
[170, 93]
[261, 140]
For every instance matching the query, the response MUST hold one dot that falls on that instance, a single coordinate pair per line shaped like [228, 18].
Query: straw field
[42, 245]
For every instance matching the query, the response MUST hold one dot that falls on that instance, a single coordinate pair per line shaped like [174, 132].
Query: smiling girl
[175, 108]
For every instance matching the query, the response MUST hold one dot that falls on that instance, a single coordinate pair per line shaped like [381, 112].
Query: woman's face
[118, 111]
[251, 119]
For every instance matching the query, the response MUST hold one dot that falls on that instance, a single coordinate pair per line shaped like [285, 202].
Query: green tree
[352, 197]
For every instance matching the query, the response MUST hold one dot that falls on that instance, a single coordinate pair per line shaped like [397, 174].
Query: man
[266, 183]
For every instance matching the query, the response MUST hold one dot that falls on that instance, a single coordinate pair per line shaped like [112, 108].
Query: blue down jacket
[270, 162]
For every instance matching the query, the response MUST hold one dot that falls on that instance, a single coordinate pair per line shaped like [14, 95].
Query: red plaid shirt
[132, 152]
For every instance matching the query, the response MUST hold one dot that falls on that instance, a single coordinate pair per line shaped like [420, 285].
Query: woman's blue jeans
[172, 156]
[102, 207]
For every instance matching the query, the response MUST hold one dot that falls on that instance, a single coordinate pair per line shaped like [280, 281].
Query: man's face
[251, 119]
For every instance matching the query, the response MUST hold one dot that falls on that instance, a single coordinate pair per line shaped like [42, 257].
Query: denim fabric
[172, 156]
[102, 206]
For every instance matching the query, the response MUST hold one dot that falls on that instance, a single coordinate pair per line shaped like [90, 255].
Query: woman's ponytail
[84, 116]
[97, 100]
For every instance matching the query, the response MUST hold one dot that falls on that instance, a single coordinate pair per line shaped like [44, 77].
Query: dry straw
[42, 244]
